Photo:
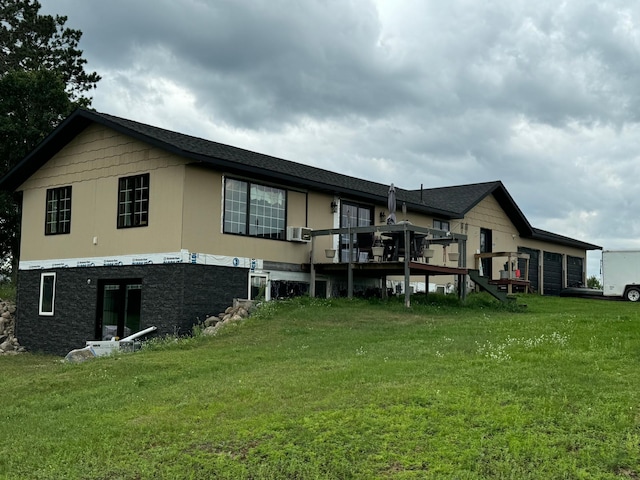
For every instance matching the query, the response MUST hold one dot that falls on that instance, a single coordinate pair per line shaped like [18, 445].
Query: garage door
[552, 277]
[534, 262]
[575, 272]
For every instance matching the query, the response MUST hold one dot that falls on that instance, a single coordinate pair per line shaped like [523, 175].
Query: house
[125, 225]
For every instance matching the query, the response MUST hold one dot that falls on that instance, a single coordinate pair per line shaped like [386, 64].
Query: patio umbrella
[391, 205]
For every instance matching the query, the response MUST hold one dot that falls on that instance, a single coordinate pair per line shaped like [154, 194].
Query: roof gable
[460, 199]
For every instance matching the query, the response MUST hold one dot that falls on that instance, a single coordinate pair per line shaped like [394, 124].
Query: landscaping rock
[9, 344]
[211, 330]
[239, 311]
[80, 355]
[211, 321]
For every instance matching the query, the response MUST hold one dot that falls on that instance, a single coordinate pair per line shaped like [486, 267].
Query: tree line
[43, 79]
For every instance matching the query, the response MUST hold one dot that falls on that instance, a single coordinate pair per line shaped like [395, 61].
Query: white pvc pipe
[138, 334]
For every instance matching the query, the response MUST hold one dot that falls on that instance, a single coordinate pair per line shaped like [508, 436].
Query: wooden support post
[510, 275]
[312, 280]
[350, 267]
[407, 275]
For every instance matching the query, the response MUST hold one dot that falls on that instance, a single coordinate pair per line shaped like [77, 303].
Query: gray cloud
[541, 95]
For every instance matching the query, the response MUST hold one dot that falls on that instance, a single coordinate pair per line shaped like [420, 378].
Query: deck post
[350, 267]
[426, 286]
[312, 279]
[462, 290]
[407, 274]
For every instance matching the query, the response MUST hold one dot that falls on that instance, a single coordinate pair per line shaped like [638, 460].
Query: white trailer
[621, 274]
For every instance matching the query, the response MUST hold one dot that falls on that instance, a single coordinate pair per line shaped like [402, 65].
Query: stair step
[493, 290]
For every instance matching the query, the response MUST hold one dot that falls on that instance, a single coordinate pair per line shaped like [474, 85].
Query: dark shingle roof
[545, 236]
[446, 202]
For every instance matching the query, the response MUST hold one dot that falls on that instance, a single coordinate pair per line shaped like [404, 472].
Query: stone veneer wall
[174, 298]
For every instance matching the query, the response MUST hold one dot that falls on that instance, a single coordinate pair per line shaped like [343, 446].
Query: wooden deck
[402, 243]
[383, 269]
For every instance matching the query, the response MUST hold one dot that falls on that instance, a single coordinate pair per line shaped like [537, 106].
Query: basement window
[47, 293]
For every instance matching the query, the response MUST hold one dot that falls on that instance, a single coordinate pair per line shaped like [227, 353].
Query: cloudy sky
[544, 96]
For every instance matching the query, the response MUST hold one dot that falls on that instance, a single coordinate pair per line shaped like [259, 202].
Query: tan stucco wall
[203, 222]
[92, 164]
[489, 214]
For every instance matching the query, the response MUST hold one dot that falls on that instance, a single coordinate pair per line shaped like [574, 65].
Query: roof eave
[510, 207]
[47, 148]
[543, 235]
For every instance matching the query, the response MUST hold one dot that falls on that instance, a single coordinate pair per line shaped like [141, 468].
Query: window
[441, 225]
[255, 210]
[47, 293]
[133, 201]
[58, 216]
[353, 215]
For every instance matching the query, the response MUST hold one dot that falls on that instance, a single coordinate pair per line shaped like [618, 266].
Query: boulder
[211, 321]
[209, 331]
[80, 355]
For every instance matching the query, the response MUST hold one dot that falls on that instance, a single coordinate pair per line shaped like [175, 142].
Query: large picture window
[47, 293]
[254, 210]
[133, 201]
[58, 215]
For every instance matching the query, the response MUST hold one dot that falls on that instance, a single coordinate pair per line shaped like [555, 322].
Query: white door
[259, 286]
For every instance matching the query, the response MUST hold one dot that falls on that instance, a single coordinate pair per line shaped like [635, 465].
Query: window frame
[364, 217]
[250, 210]
[52, 301]
[56, 207]
[438, 224]
[136, 210]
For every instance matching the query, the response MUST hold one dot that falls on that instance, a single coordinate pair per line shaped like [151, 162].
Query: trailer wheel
[632, 294]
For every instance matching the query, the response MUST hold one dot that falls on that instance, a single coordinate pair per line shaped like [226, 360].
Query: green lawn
[344, 389]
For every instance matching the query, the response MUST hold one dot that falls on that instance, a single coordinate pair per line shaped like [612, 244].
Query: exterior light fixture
[383, 216]
[334, 207]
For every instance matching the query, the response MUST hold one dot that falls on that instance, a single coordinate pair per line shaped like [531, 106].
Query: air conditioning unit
[298, 234]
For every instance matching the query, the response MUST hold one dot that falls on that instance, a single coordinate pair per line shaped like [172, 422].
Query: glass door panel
[110, 309]
[119, 307]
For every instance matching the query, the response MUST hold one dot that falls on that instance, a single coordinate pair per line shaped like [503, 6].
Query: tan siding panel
[88, 165]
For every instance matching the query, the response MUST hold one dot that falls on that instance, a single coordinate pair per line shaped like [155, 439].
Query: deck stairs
[493, 290]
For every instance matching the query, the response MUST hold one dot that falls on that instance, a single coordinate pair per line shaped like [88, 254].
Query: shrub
[8, 291]
[594, 282]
